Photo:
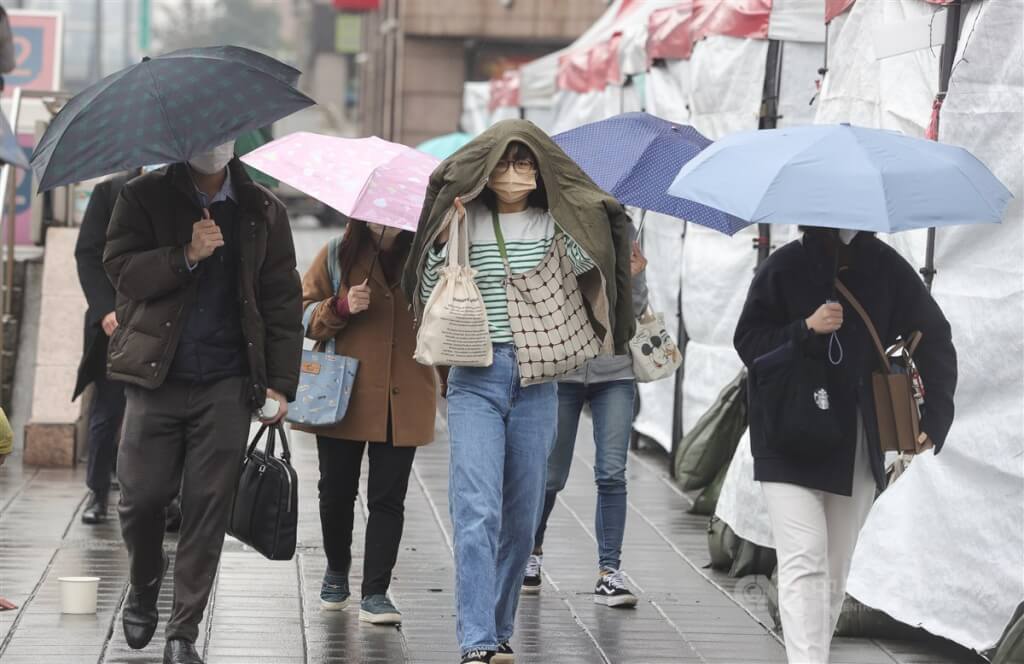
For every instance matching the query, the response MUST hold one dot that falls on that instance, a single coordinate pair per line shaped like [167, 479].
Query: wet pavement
[268, 612]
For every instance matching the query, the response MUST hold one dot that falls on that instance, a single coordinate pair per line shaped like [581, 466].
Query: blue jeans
[500, 433]
[611, 404]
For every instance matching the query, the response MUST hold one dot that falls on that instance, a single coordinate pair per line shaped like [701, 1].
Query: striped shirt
[528, 237]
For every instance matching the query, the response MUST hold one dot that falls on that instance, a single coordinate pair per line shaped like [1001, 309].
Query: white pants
[815, 534]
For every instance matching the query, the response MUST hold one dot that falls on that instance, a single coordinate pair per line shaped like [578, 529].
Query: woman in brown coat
[391, 409]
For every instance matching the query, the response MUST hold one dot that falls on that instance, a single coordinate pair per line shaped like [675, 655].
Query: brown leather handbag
[896, 408]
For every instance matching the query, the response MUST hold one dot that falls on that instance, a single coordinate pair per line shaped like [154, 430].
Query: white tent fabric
[973, 493]
[476, 114]
[797, 20]
[668, 91]
[538, 79]
[726, 82]
[740, 503]
[716, 272]
[800, 64]
[573, 109]
[721, 86]
[633, 47]
[662, 244]
[894, 93]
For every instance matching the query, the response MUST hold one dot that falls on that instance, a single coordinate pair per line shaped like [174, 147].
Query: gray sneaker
[334, 591]
[378, 610]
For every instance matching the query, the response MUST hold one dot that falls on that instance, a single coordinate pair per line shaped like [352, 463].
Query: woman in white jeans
[818, 501]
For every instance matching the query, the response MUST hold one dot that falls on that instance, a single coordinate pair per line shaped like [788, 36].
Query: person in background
[608, 385]
[817, 504]
[390, 413]
[209, 306]
[107, 406]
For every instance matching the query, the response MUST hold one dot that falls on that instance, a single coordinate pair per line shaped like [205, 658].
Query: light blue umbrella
[840, 176]
[445, 146]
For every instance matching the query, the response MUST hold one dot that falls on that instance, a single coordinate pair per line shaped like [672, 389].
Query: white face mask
[213, 161]
[846, 236]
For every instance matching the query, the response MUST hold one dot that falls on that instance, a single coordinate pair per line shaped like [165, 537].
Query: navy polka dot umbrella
[164, 110]
[636, 156]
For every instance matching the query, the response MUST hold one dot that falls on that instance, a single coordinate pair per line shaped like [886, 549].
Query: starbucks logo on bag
[821, 399]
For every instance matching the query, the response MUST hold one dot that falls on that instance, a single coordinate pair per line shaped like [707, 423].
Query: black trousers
[105, 415]
[190, 437]
[340, 463]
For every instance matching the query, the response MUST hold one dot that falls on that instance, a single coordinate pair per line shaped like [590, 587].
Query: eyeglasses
[521, 166]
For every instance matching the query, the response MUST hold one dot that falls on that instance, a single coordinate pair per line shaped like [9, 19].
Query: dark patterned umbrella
[164, 110]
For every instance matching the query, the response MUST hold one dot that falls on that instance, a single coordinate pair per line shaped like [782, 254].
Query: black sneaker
[531, 578]
[505, 655]
[611, 590]
[478, 657]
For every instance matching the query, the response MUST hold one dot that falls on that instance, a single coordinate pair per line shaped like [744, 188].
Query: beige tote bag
[454, 330]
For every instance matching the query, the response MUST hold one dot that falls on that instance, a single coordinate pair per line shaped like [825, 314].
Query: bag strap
[334, 261]
[460, 230]
[334, 272]
[500, 237]
[275, 429]
[855, 303]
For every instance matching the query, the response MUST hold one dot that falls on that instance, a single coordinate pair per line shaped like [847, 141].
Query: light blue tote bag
[325, 378]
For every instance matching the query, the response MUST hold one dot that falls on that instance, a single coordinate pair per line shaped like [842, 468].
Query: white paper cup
[78, 594]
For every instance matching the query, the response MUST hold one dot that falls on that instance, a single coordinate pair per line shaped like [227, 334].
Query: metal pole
[96, 66]
[946, 58]
[769, 120]
[126, 38]
[7, 196]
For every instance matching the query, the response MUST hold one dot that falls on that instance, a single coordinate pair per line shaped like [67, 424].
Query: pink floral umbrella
[364, 178]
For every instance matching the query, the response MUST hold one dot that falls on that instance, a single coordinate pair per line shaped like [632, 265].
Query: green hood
[592, 217]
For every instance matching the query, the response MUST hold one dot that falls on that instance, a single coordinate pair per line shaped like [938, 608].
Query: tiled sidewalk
[267, 612]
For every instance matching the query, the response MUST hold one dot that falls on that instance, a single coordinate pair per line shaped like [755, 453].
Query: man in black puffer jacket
[209, 306]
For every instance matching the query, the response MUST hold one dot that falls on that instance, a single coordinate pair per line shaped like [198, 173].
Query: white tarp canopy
[476, 100]
[633, 46]
[797, 20]
[538, 79]
[957, 516]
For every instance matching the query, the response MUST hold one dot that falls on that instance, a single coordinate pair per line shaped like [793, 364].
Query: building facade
[418, 54]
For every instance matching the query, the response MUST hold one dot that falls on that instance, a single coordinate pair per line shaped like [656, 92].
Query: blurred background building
[394, 68]
[417, 55]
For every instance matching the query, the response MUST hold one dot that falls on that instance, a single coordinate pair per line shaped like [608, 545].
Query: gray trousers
[192, 437]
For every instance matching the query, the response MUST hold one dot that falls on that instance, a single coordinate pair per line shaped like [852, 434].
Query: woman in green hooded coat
[515, 187]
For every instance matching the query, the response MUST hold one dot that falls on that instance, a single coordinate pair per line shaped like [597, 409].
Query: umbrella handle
[640, 226]
[376, 254]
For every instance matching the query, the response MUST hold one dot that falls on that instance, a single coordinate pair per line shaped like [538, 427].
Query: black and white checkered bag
[552, 332]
